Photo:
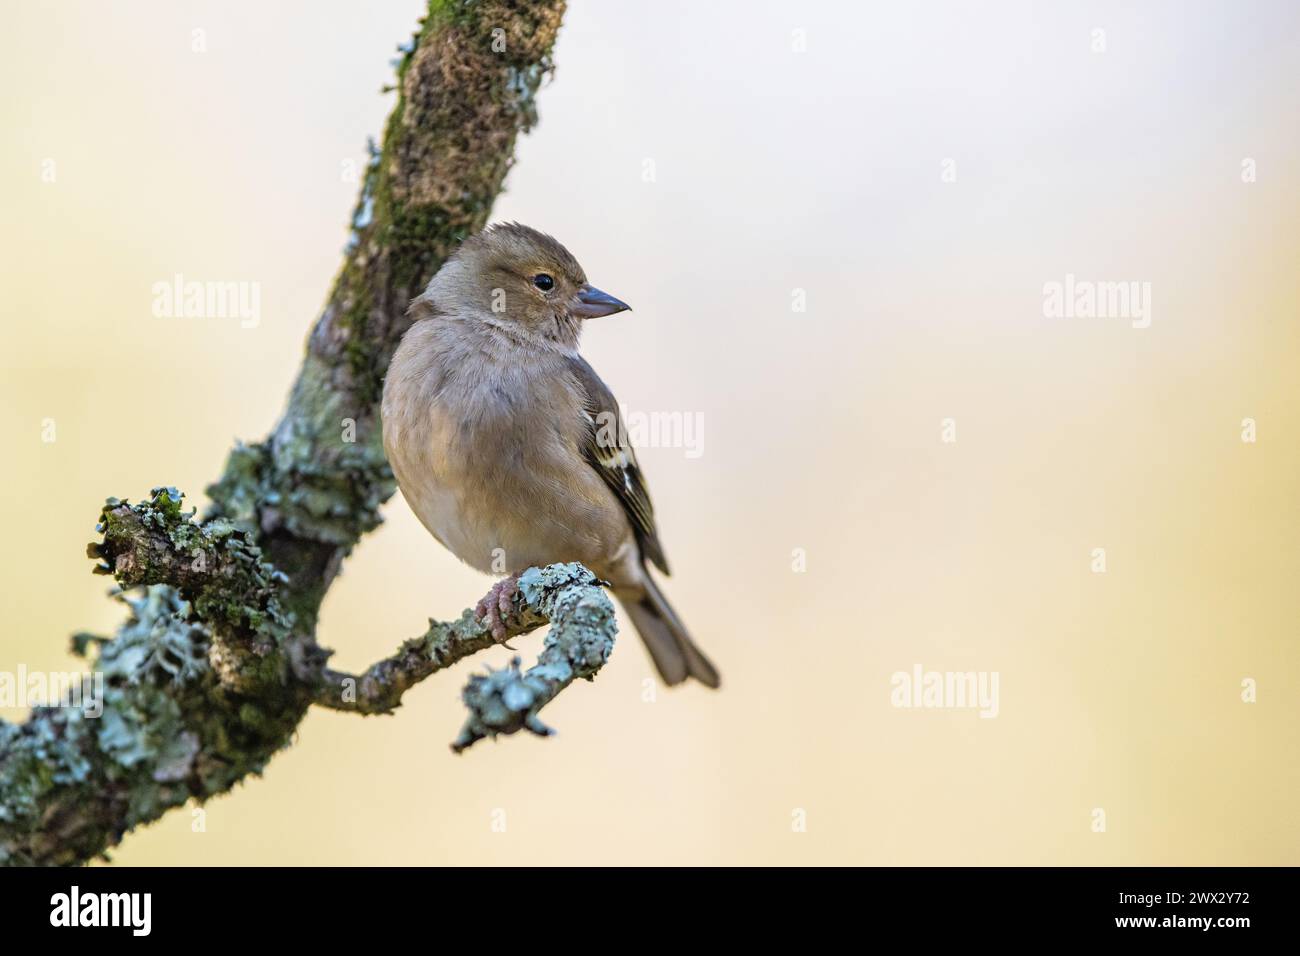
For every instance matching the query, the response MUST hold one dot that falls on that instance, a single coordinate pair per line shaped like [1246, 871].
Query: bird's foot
[497, 605]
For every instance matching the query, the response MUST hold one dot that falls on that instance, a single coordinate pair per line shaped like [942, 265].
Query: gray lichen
[162, 641]
[568, 596]
[71, 782]
[581, 638]
[217, 662]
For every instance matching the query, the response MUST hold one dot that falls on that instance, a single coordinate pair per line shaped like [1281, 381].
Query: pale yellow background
[774, 171]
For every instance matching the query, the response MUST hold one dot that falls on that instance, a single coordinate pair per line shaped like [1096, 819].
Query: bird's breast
[491, 461]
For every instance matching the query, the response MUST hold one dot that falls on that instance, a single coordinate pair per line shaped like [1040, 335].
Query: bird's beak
[591, 303]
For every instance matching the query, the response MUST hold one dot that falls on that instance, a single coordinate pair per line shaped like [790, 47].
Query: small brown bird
[509, 447]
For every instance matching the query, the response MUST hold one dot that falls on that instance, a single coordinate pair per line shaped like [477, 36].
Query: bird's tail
[665, 637]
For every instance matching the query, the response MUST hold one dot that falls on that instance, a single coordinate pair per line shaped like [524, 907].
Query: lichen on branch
[217, 661]
[567, 596]
[216, 565]
[578, 644]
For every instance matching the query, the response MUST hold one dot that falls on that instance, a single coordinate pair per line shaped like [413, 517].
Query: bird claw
[497, 605]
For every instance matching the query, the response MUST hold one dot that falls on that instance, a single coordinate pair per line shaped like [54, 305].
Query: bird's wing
[610, 453]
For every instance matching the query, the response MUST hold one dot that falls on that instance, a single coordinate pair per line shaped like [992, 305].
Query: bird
[508, 446]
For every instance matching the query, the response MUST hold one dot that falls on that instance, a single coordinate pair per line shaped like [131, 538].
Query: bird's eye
[543, 282]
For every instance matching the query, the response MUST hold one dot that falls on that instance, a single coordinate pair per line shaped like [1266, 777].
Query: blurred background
[835, 222]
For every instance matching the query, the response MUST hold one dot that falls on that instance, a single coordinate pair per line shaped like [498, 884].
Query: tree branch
[578, 644]
[568, 596]
[217, 662]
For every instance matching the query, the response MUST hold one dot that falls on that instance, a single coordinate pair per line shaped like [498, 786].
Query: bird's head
[521, 282]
